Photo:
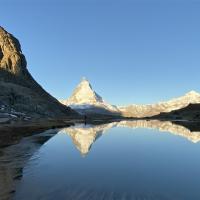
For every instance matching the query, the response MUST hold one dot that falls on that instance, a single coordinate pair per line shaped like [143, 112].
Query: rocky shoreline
[11, 133]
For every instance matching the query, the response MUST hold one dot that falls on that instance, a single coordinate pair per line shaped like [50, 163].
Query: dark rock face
[18, 90]
[190, 113]
[1, 54]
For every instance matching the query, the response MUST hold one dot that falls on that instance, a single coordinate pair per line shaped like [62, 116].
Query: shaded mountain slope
[190, 112]
[18, 90]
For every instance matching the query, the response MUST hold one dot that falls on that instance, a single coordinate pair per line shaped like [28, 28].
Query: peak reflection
[83, 136]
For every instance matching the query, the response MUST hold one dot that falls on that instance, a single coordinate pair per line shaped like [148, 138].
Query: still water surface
[125, 160]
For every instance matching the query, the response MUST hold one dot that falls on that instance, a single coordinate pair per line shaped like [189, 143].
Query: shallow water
[120, 160]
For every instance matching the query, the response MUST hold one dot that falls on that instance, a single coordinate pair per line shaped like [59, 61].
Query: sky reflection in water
[115, 161]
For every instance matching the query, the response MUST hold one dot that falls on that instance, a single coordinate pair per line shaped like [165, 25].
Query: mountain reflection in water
[84, 136]
[16, 161]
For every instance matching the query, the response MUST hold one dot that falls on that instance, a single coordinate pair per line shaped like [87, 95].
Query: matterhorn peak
[85, 84]
[85, 98]
[84, 94]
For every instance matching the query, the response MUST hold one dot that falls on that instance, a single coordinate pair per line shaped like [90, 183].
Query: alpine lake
[126, 160]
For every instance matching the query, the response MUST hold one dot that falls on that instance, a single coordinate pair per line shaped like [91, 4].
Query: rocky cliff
[19, 92]
[11, 58]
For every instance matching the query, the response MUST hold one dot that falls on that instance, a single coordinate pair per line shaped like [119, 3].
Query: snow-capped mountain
[85, 100]
[149, 110]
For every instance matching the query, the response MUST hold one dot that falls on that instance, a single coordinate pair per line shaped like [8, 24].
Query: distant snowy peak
[84, 97]
[193, 94]
[148, 110]
[191, 97]
[83, 94]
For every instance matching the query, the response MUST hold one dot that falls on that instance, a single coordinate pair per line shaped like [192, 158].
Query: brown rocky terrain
[20, 95]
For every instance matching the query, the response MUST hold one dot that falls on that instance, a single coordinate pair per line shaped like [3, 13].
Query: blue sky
[131, 51]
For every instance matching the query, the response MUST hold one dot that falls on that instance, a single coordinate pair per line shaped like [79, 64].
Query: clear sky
[131, 51]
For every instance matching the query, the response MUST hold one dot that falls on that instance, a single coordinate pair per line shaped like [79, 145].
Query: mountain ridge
[149, 110]
[19, 92]
[85, 100]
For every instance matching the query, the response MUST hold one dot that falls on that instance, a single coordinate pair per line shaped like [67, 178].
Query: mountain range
[161, 107]
[21, 96]
[86, 101]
